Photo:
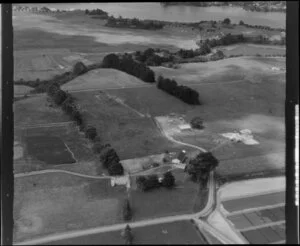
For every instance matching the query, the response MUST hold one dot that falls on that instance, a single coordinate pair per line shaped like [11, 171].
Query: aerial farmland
[135, 131]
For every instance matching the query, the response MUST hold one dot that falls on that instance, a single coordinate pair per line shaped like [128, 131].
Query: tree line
[184, 93]
[150, 57]
[96, 12]
[134, 23]
[150, 182]
[126, 64]
[108, 156]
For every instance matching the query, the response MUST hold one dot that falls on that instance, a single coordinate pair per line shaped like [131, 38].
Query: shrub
[168, 180]
[127, 213]
[91, 132]
[108, 155]
[115, 168]
[79, 68]
[147, 183]
[197, 123]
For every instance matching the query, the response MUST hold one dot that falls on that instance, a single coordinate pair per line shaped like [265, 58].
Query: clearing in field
[50, 150]
[103, 78]
[50, 205]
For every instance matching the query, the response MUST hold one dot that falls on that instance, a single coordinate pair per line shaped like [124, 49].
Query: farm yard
[60, 202]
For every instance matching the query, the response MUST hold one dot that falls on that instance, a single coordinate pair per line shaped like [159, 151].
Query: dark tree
[200, 167]
[197, 123]
[127, 212]
[108, 155]
[111, 61]
[168, 180]
[59, 97]
[115, 168]
[79, 68]
[127, 235]
[91, 132]
[241, 23]
[226, 21]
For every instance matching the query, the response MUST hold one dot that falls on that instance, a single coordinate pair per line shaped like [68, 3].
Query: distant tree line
[108, 156]
[150, 182]
[98, 12]
[184, 93]
[134, 23]
[151, 58]
[126, 64]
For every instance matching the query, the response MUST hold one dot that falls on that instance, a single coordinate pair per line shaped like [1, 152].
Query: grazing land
[57, 203]
[184, 198]
[181, 232]
[59, 144]
[35, 110]
[131, 134]
[101, 79]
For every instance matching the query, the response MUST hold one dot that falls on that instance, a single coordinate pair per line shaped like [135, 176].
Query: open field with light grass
[35, 110]
[186, 197]
[43, 64]
[103, 78]
[54, 203]
[222, 71]
[253, 50]
[58, 147]
[20, 90]
[131, 134]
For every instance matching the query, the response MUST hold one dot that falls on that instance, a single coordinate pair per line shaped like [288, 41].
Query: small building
[184, 127]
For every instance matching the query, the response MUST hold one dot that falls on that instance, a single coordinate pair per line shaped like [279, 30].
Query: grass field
[102, 79]
[181, 232]
[221, 71]
[35, 110]
[184, 198]
[128, 132]
[78, 149]
[57, 203]
[50, 150]
[20, 90]
[252, 50]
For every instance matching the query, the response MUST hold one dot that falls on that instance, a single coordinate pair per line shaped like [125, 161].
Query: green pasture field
[252, 50]
[62, 205]
[78, 149]
[20, 90]
[131, 134]
[35, 110]
[48, 149]
[180, 232]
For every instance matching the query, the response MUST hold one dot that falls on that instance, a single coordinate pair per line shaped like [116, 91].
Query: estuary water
[180, 13]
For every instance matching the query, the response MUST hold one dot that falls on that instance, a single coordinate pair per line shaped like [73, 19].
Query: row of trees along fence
[126, 64]
[184, 93]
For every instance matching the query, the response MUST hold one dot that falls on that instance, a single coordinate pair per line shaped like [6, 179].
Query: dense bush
[91, 132]
[128, 65]
[108, 155]
[184, 93]
[127, 212]
[197, 123]
[168, 180]
[115, 168]
[146, 183]
[200, 167]
[79, 68]
[97, 12]
[134, 23]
